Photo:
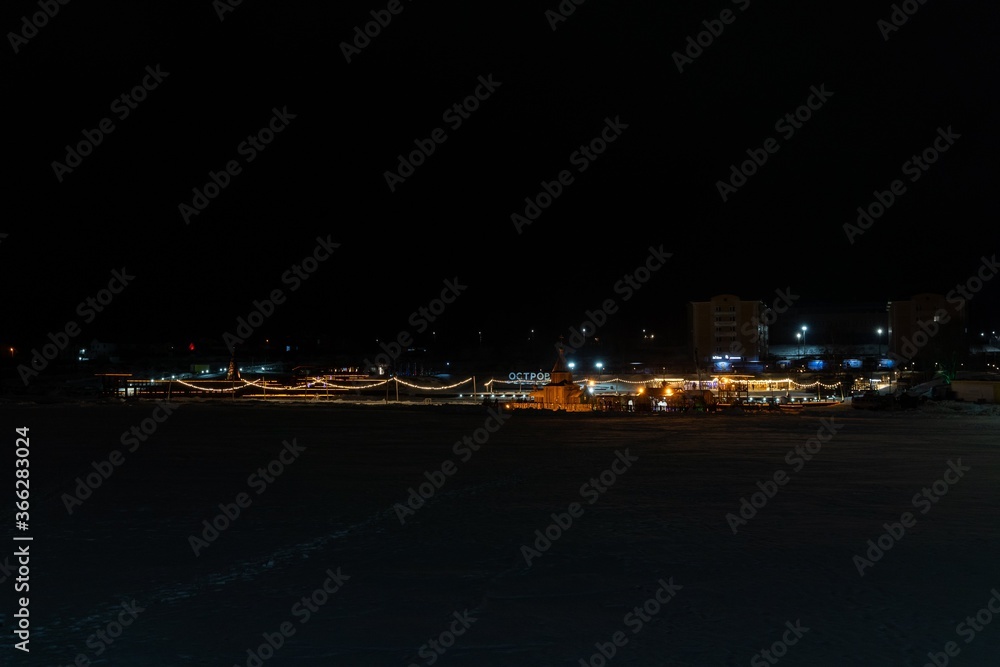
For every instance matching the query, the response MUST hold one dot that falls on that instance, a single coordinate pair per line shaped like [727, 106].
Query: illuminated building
[725, 329]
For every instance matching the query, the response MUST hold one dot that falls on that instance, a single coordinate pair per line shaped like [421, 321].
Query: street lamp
[879, 332]
[988, 346]
[804, 338]
[600, 367]
[798, 337]
[995, 339]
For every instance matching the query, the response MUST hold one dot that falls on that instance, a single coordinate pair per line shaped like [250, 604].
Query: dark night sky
[323, 175]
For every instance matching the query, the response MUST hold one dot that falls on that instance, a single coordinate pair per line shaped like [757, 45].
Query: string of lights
[188, 384]
[762, 385]
[349, 386]
[450, 386]
[491, 381]
[624, 381]
[753, 385]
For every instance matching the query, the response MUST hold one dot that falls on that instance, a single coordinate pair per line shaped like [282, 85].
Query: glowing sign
[529, 377]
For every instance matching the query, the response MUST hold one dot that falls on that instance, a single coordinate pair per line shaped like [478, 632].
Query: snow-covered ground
[463, 569]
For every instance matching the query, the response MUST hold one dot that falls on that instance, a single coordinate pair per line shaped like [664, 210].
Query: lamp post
[990, 343]
[995, 339]
[986, 353]
[804, 348]
[798, 337]
[879, 332]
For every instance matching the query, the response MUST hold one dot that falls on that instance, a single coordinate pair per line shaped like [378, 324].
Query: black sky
[324, 174]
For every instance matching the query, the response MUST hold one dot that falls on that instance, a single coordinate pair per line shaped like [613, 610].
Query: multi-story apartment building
[726, 327]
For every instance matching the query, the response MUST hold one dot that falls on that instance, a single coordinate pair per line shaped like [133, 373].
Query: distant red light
[191, 346]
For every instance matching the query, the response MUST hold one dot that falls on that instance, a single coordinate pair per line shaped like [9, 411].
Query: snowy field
[645, 567]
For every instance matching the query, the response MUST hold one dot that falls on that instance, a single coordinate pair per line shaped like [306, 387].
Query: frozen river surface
[381, 535]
